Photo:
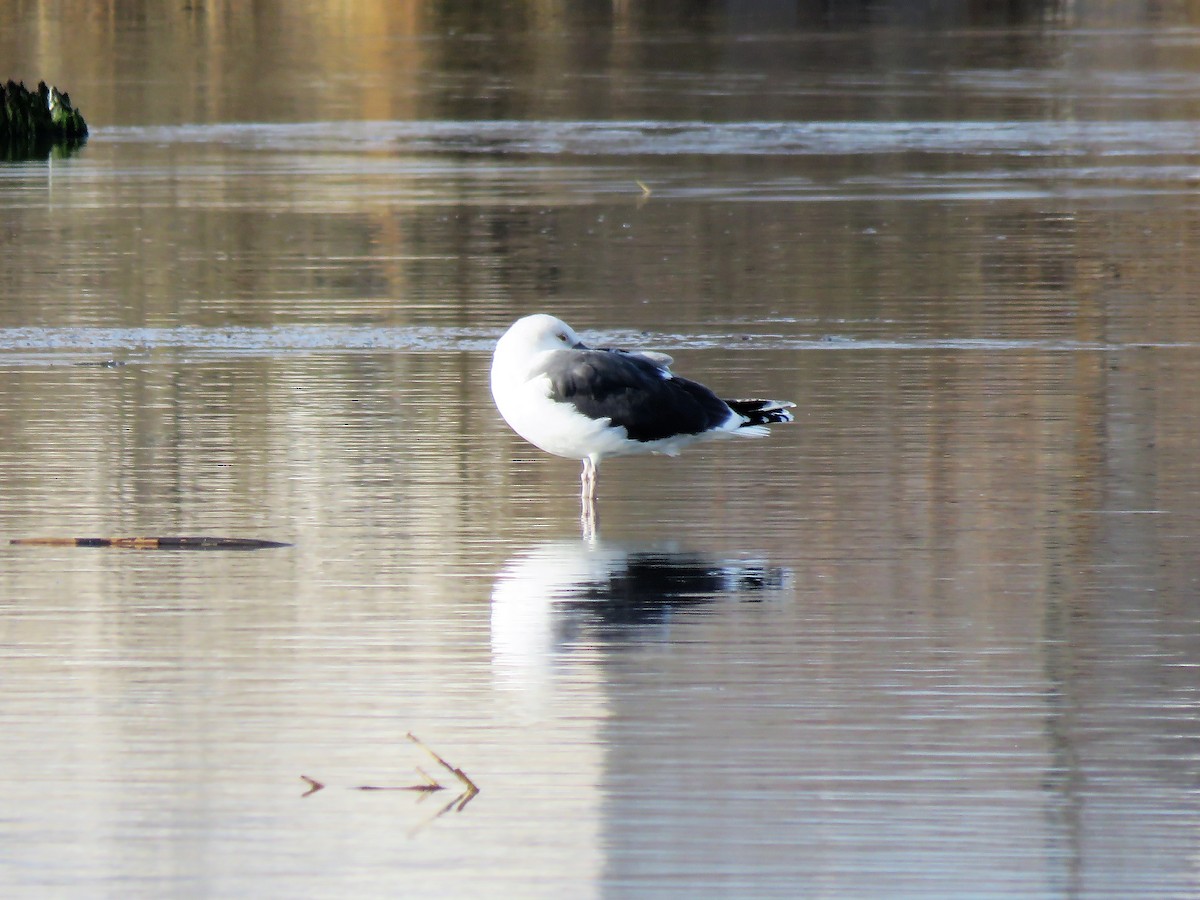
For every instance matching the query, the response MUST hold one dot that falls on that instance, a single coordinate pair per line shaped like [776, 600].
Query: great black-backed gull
[589, 403]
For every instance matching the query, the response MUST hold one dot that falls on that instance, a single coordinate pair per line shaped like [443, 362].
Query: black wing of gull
[634, 391]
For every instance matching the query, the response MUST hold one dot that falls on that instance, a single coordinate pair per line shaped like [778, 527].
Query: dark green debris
[33, 123]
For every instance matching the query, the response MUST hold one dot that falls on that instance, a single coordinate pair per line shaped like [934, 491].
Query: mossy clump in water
[34, 122]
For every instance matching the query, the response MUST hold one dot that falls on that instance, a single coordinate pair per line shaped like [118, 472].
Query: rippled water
[938, 638]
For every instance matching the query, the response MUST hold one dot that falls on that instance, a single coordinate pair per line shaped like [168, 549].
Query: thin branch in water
[471, 788]
[193, 542]
[430, 784]
[428, 788]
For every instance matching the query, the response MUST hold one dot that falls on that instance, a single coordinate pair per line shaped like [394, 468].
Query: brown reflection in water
[225, 61]
[221, 61]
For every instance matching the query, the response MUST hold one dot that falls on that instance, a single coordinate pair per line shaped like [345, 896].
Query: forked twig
[471, 788]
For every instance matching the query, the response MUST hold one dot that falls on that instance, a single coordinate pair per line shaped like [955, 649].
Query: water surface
[937, 638]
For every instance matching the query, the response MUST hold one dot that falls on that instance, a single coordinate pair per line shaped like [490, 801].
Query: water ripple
[42, 345]
[667, 138]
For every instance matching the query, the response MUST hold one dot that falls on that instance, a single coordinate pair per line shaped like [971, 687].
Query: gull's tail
[760, 413]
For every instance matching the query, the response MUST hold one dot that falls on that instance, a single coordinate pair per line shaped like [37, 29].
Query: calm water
[939, 638]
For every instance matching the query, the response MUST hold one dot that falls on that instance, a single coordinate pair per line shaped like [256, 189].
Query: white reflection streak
[546, 596]
[525, 642]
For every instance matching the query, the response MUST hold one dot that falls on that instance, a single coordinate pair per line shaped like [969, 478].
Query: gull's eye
[562, 336]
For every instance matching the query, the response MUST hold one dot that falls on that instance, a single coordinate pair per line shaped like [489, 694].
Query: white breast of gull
[589, 403]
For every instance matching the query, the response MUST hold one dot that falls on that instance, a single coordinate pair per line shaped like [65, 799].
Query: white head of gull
[589, 403]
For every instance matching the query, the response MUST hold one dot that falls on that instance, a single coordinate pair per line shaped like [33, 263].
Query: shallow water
[937, 638]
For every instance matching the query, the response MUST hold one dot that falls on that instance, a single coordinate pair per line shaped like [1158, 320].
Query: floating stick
[153, 543]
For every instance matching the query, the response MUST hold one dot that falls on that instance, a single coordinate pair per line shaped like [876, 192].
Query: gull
[590, 403]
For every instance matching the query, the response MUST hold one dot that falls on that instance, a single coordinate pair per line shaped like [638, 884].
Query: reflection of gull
[548, 597]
